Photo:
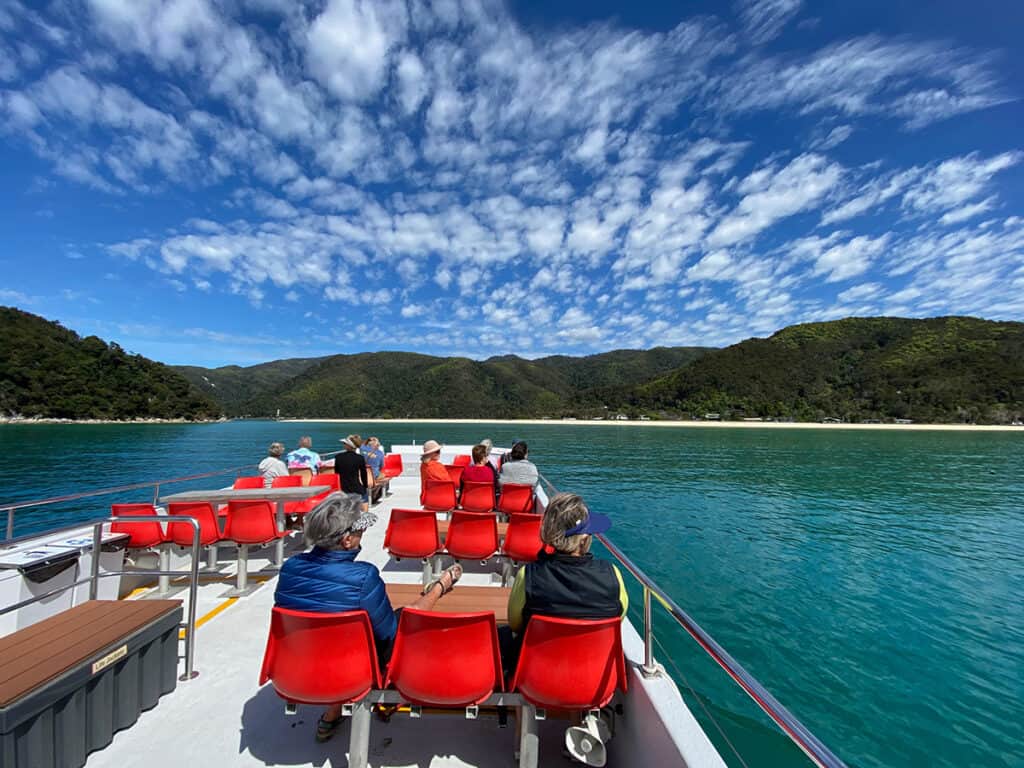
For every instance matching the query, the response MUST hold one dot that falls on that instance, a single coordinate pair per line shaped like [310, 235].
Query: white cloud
[849, 259]
[763, 20]
[954, 182]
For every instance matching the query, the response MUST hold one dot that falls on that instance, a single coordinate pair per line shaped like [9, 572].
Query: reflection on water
[874, 581]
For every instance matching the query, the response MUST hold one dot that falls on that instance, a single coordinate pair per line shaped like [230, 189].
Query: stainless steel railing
[94, 576]
[798, 733]
[10, 509]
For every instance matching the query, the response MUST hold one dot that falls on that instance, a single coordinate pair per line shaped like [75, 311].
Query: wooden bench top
[37, 654]
[462, 599]
[443, 525]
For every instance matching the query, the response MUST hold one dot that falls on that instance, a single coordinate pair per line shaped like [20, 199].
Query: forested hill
[404, 384]
[944, 369]
[49, 371]
[233, 385]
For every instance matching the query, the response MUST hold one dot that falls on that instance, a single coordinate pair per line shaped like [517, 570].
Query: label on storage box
[110, 658]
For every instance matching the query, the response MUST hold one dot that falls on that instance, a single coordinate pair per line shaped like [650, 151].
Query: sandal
[325, 728]
[454, 572]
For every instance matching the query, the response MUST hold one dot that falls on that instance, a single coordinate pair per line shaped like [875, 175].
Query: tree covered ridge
[943, 369]
[49, 371]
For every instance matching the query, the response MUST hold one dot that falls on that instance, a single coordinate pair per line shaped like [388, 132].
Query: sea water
[872, 580]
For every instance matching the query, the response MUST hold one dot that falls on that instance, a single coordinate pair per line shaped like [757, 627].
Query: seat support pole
[428, 571]
[164, 580]
[529, 741]
[211, 557]
[279, 547]
[359, 738]
[243, 567]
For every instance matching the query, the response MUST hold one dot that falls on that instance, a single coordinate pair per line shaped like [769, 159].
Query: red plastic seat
[570, 663]
[522, 538]
[392, 465]
[320, 658]
[412, 533]
[141, 535]
[472, 535]
[331, 483]
[462, 460]
[288, 481]
[251, 522]
[445, 659]
[477, 496]
[455, 473]
[247, 483]
[438, 495]
[202, 511]
[515, 499]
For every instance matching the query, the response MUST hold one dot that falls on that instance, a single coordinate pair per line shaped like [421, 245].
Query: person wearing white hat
[431, 467]
[351, 469]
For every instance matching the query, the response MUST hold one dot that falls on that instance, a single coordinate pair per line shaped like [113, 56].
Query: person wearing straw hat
[431, 467]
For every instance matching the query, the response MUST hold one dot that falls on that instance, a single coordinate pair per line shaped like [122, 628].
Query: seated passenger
[431, 467]
[568, 584]
[480, 471]
[304, 457]
[517, 468]
[329, 579]
[272, 466]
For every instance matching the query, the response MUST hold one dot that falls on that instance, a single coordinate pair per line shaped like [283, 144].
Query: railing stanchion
[193, 594]
[94, 571]
[10, 523]
[649, 669]
[156, 493]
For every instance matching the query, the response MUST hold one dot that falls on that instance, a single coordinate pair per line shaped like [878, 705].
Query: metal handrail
[154, 484]
[94, 576]
[798, 733]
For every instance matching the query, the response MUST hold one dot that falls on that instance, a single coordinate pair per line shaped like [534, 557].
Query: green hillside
[945, 369]
[233, 385]
[48, 371]
[404, 384]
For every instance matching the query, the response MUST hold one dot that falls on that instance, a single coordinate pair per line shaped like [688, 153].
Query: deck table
[462, 599]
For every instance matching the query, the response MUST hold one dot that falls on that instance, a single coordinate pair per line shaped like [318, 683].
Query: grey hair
[486, 442]
[276, 449]
[306, 442]
[326, 524]
[564, 511]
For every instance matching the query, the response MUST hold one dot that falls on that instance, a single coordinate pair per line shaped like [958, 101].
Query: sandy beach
[682, 424]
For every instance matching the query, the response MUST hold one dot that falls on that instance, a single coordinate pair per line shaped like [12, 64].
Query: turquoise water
[873, 581]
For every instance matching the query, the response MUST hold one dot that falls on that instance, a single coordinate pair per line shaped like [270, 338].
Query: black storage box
[68, 683]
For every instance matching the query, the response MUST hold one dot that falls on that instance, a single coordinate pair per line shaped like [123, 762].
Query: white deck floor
[223, 718]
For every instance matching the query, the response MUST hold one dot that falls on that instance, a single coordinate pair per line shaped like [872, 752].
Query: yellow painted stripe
[207, 616]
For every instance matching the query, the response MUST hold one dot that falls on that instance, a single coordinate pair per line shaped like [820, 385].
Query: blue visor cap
[595, 523]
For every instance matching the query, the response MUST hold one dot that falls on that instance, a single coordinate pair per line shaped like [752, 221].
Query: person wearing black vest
[351, 469]
[570, 583]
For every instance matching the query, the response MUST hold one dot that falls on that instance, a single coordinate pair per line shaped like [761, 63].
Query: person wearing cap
[304, 457]
[351, 469]
[272, 466]
[570, 583]
[431, 467]
[517, 468]
[329, 579]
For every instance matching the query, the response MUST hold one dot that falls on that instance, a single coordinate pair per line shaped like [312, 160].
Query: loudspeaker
[586, 742]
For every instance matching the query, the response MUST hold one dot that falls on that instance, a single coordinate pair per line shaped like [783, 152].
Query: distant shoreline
[9, 420]
[680, 424]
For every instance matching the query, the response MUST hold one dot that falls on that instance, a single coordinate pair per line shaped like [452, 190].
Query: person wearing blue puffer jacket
[329, 579]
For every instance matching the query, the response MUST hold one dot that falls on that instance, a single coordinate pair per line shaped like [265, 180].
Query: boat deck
[223, 717]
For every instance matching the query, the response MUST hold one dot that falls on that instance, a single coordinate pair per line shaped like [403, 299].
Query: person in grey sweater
[517, 468]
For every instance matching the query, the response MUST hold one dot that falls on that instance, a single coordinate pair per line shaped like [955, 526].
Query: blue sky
[240, 181]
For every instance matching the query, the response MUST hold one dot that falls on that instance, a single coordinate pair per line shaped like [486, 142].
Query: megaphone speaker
[586, 742]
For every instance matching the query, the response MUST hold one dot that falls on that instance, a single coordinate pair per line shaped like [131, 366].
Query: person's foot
[325, 728]
[449, 576]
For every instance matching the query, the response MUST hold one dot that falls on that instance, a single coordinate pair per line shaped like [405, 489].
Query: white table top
[297, 493]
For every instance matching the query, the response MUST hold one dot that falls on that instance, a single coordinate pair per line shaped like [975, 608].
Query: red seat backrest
[522, 538]
[455, 473]
[412, 533]
[477, 496]
[472, 535]
[445, 659]
[332, 481]
[141, 535]
[515, 498]
[438, 495]
[202, 511]
[250, 522]
[320, 658]
[462, 460]
[288, 481]
[570, 663]
[244, 483]
[392, 464]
